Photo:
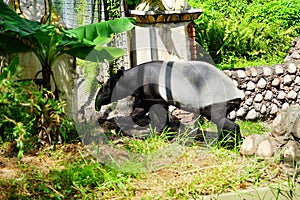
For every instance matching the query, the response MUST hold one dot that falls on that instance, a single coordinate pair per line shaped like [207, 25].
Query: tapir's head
[105, 92]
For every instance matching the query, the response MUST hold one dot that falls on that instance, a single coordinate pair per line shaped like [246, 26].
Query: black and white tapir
[193, 86]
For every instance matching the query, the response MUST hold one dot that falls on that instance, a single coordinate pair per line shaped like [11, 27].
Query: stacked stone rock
[283, 141]
[268, 89]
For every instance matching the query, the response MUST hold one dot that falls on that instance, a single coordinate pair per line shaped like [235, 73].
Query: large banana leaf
[15, 23]
[49, 42]
[92, 38]
[100, 32]
[96, 54]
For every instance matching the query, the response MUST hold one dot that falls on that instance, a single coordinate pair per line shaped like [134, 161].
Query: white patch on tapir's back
[195, 84]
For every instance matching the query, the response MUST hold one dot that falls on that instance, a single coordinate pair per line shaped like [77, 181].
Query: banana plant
[49, 42]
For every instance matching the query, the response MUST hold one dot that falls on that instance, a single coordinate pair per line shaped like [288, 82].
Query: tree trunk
[106, 11]
[46, 73]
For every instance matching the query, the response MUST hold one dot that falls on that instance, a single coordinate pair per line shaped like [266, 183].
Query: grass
[243, 63]
[170, 172]
[250, 127]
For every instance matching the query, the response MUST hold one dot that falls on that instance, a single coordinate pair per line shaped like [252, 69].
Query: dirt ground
[44, 160]
[194, 169]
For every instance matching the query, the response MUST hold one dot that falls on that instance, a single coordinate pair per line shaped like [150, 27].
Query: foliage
[132, 4]
[114, 8]
[80, 12]
[79, 180]
[49, 42]
[240, 31]
[26, 112]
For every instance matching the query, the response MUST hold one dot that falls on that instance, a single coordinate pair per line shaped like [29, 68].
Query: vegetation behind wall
[239, 32]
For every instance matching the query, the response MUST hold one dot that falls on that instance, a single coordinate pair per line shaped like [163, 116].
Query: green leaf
[10, 69]
[102, 31]
[9, 44]
[11, 22]
[49, 42]
[96, 54]
[90, 39]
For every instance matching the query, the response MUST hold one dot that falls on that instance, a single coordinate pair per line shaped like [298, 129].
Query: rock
[228, 73]
[264, 149]
[257, 106]
[251, 115]
[297, 80]
[275, 82]
[278, 69]
[296, 88]
[279, 125]
[240, 112]
[290, 152]
[268, 95]
[274, 109]
[258, 98]
[249, 101]
[292, 95]
[240, 73]
[250, 86]
[285, 106]
[232, 115]
[281, 95]
[296, 128]
[263, 109]
[295, 55]
[291, 68]
[248, 147]
[276, 102]
[253, 71]
[287, 80]
[248, 93]
[261, 83]
[267, 71]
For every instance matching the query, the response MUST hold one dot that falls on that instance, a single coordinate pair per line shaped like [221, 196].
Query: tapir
[193, 86]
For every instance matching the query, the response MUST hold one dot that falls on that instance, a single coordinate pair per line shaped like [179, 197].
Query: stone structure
[268, 89]
[273, 91]
[283, 141]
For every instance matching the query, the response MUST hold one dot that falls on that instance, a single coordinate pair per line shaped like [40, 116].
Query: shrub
[27, 113]
[241, 31]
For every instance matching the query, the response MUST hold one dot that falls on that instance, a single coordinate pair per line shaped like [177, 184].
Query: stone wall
[268, 89]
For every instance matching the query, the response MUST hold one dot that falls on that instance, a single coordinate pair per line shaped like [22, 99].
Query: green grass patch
[253, 127]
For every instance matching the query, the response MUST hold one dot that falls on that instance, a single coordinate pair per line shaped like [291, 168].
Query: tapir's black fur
[149, 95]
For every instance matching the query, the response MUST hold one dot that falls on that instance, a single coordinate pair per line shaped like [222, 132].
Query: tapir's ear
[120, 73]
